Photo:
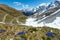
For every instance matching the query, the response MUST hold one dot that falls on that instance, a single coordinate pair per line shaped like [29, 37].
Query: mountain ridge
[9, 14]
[41, 8]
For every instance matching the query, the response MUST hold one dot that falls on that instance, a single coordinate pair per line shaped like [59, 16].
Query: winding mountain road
[11, 22]
[3, 21]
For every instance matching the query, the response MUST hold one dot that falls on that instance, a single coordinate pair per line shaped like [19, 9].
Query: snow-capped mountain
[42, 8]
[49, 14]
[27, 12]
[57, 2]
[51, 5]
[47, 9]
[37, 9]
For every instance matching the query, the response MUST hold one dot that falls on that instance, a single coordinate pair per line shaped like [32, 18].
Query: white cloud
[17, 3]
[27, 6]
[21, 4]
[44, 4]
[24, 6]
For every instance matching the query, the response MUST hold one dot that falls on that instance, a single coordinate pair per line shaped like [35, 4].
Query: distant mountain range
[46, 15]
[41, 8]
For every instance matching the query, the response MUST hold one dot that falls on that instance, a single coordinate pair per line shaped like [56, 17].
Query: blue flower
[1, 31]
[50, 34]
[20, 33]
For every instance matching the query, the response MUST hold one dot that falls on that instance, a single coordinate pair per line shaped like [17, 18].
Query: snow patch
[32, 22]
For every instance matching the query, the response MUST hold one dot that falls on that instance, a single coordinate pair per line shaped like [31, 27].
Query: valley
[40, 23]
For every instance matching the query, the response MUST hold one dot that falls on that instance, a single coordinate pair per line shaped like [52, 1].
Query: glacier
[50, 21]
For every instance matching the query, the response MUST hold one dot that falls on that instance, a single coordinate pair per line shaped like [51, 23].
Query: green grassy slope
[5, 9]
[38, 33]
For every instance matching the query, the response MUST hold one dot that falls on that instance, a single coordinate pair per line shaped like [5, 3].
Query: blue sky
[20, 4]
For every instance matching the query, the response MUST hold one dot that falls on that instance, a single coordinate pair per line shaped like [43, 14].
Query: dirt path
[11, 22]
[3, 21]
